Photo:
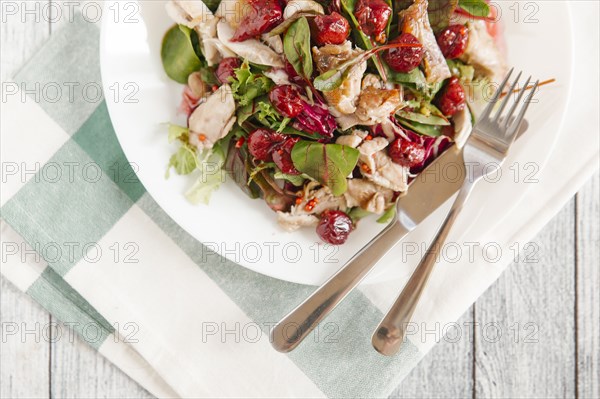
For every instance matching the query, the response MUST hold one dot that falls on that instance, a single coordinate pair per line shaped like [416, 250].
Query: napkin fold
[82, 237]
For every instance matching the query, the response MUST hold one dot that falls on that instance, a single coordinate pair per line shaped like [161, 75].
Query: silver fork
[485, 150]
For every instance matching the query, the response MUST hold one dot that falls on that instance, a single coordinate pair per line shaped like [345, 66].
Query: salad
[325, 109]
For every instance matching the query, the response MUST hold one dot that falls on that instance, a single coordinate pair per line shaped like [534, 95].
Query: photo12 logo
[55, 12]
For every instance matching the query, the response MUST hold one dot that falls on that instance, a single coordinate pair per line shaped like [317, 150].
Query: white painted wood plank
[79, 371]
[588, 290]
[24, 356]
[532, 306]
[446, 372]
[24, 350]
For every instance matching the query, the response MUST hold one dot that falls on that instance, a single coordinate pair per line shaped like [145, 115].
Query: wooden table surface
[547, 311]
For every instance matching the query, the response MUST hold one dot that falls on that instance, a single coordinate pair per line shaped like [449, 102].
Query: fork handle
[294, 327]
[389, 335]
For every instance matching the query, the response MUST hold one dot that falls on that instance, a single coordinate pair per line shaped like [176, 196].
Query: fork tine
[516, 104]
[515, 126]
[507, 98]
[488, 109]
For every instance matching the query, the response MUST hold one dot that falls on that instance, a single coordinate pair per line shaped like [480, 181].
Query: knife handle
[294, 327]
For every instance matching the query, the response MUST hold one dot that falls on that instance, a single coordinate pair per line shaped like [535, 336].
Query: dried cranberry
[452, 98]
[406, 153]
[373, 17]
[334, 227]
[261, 17]
[282, 156]
[330, 29]
[286, 100]
[404, 59]
[261, 143]
[453, 41]
[226, 67]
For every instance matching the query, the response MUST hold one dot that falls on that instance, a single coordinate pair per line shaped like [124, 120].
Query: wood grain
[96, 377]
[446, 372]
[531, 306]
[588, 290]
[25, 357]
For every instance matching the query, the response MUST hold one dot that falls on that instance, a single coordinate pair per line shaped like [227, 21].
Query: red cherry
[406, 153]
[286, 100]
[334, 227]
[452, 98]
[453, 41]
[261, 143]
[373, 16]
[330, 29]
[282, 156]
[226, 67]
[404, 59]
[262, 16]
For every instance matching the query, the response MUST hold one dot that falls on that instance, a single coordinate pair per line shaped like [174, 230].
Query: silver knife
[426, 193]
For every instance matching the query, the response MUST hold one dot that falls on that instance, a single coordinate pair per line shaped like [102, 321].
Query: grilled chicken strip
[415, 20]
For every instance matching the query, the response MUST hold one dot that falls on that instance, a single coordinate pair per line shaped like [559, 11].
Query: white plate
[539, 42]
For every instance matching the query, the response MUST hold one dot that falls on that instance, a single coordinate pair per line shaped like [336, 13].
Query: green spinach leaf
[296, 46]
[427, 130]
[424, 119]
[329, 164]
[178, 56]
[440, 12]
[477, 8]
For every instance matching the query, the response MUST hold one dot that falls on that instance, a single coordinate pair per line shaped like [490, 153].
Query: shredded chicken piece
[291, 222]
[368, 195]
[483, 53]
[350, 140]
[251, 49]
[274, 42]
[278, 75]
[198, 87]
[196, 15]
[301, 215]
[370, 147]
[294, 6]
[343, 99]
[213, 119]
[376, 105]
[381, 170]
[415, 20]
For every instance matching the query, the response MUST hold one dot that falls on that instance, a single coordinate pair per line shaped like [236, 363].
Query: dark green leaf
[415, 77]
[329, 164]
[212, 4]
[178, 56]
[282, 27]
[477, 8]
[356, 213]
[427, 130]
[362, 40]
[329, 80]
[440, 13]
[296, 180]
[424, 119]
[296, 45]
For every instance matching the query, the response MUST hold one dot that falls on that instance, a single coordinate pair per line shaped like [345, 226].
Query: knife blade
[426, 193]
